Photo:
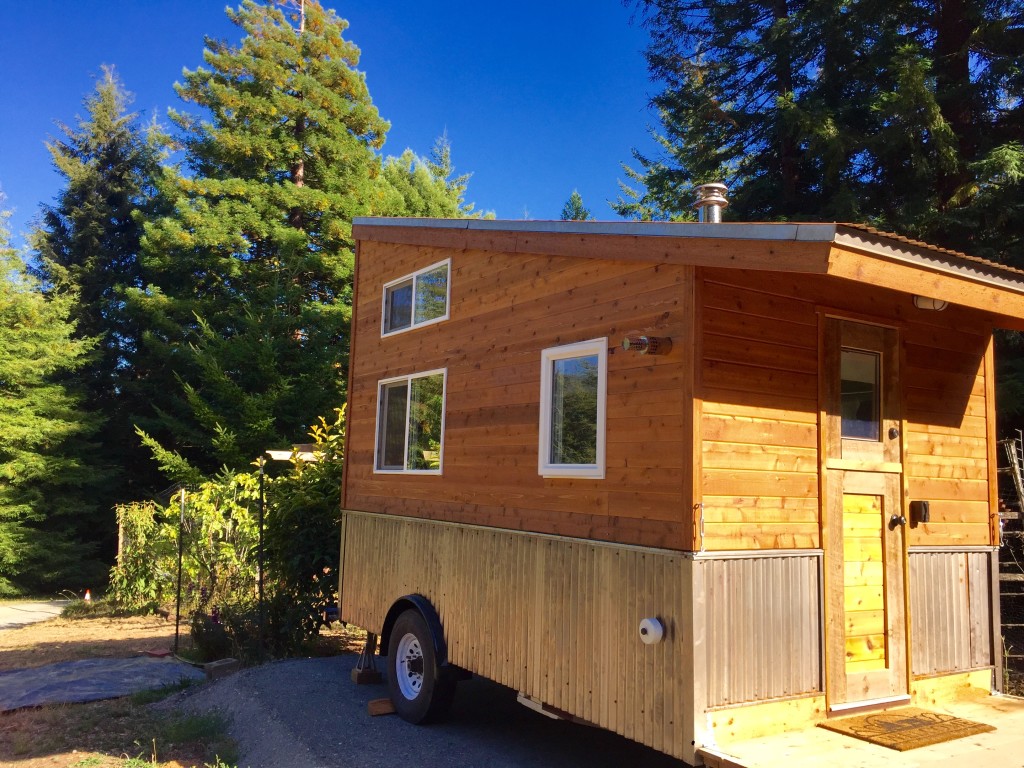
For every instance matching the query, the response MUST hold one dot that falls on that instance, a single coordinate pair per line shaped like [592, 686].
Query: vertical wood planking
[556, 618]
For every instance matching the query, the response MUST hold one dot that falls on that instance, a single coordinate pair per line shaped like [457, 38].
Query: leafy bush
[220, 535]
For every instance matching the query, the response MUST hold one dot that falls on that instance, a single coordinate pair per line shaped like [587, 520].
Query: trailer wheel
[420, 689]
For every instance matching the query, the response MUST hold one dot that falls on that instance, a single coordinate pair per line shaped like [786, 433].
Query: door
[866, 631]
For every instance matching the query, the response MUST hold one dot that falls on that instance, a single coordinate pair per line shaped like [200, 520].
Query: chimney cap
[711, 200]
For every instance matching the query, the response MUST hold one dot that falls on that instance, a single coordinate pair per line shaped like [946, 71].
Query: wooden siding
[951, 611]
[759, 422]
[761, 618]
[554, 618]
[505, 309]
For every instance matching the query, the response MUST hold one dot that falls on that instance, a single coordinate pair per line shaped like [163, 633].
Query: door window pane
[860, 401]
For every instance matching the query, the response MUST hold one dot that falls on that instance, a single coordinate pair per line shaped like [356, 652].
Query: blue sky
[537, 98]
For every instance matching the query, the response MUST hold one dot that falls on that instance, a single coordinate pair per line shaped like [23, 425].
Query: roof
[852, 251]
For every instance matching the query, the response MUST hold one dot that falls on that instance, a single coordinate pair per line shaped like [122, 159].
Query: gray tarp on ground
[71, 682]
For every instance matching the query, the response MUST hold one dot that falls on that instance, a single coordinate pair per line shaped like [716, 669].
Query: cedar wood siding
[759, 429]
[504, 310]
[756, 409]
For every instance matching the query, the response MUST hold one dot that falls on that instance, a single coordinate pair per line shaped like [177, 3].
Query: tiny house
[686, 482]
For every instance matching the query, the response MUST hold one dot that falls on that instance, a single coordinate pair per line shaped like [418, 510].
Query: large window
[410, 423]
[416, 299]
[572, 409]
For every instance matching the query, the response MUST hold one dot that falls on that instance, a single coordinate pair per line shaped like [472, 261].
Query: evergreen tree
[88, 242]
[414, 186]
[907, 114]
[250, 300]
[47, 517]
[574, 210]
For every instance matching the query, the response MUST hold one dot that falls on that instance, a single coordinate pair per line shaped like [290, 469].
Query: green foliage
[908, 115]
[46, 511]
[248, 305]
[303, 539]
[220, 536]
[133, 580]
[574, 210]
[413, 186]
[88, 243]
[890, 112]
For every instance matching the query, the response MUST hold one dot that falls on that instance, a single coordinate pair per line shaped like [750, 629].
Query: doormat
[906, 728]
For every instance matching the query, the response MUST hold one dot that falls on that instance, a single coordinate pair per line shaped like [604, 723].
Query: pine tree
[414, 186]
[47, 516]
[574, 210]
[250, 300]
[907, 114]
[88, 243]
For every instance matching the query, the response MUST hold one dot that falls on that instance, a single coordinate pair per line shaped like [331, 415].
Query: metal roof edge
[724, 231]
[931, 257]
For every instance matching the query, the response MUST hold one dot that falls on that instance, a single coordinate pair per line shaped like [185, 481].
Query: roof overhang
[846, 251]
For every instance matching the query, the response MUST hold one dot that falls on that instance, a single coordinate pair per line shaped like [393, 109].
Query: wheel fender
[429, 614]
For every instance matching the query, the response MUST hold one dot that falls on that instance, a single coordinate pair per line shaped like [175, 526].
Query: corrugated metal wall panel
[951, 611]
[555, 618]
[762, 619]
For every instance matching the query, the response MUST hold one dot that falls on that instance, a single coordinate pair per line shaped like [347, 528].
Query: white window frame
[548, 357]
[408, 401]
[447, 263]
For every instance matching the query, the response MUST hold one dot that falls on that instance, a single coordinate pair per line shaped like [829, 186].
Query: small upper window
[860, 401]
[410, 423]
[416, 299]
[572, 409]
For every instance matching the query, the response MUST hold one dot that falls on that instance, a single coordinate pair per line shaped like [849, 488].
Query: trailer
[691, 483]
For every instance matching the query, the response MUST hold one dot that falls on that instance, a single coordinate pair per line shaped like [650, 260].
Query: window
[417, 299]
[859, 395]
[572, 409]
[410, 423]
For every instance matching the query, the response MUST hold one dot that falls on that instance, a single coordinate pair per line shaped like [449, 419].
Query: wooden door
[866, 632]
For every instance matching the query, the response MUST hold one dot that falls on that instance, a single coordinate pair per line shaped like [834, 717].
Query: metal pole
[259, 554]
[181, 547]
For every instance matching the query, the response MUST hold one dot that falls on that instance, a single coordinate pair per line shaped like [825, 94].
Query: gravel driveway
[308, 714]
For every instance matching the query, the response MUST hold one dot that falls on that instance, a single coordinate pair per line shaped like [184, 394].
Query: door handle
[893, 433]
[896, 520]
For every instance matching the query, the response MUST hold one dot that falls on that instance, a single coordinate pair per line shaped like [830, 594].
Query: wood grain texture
[554, 618]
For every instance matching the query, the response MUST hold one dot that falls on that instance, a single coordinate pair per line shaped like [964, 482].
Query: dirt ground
[120, 733]
[71, 639]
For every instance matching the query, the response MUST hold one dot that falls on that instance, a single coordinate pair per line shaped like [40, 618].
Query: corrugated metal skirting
[762, 620]
[553, 617]
[951, 611]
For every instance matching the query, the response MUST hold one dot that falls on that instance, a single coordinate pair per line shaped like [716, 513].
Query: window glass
[572, 410]
[417, 299]
[398, 307]
[432, 294]
[860, 403]
[410, 423]
[391, 435]
[426, 401]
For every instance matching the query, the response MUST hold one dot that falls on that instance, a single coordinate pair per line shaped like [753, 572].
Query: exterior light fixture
[930, 305]
[647, 345]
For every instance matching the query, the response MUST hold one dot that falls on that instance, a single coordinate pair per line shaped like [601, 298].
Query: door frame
[878, 471]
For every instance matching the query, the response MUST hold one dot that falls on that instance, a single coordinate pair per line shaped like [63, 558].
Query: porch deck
[817, 747]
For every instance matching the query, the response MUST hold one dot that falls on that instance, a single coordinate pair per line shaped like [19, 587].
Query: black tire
[421, 690]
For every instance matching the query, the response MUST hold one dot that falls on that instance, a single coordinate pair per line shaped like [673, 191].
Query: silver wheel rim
[409, 666]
